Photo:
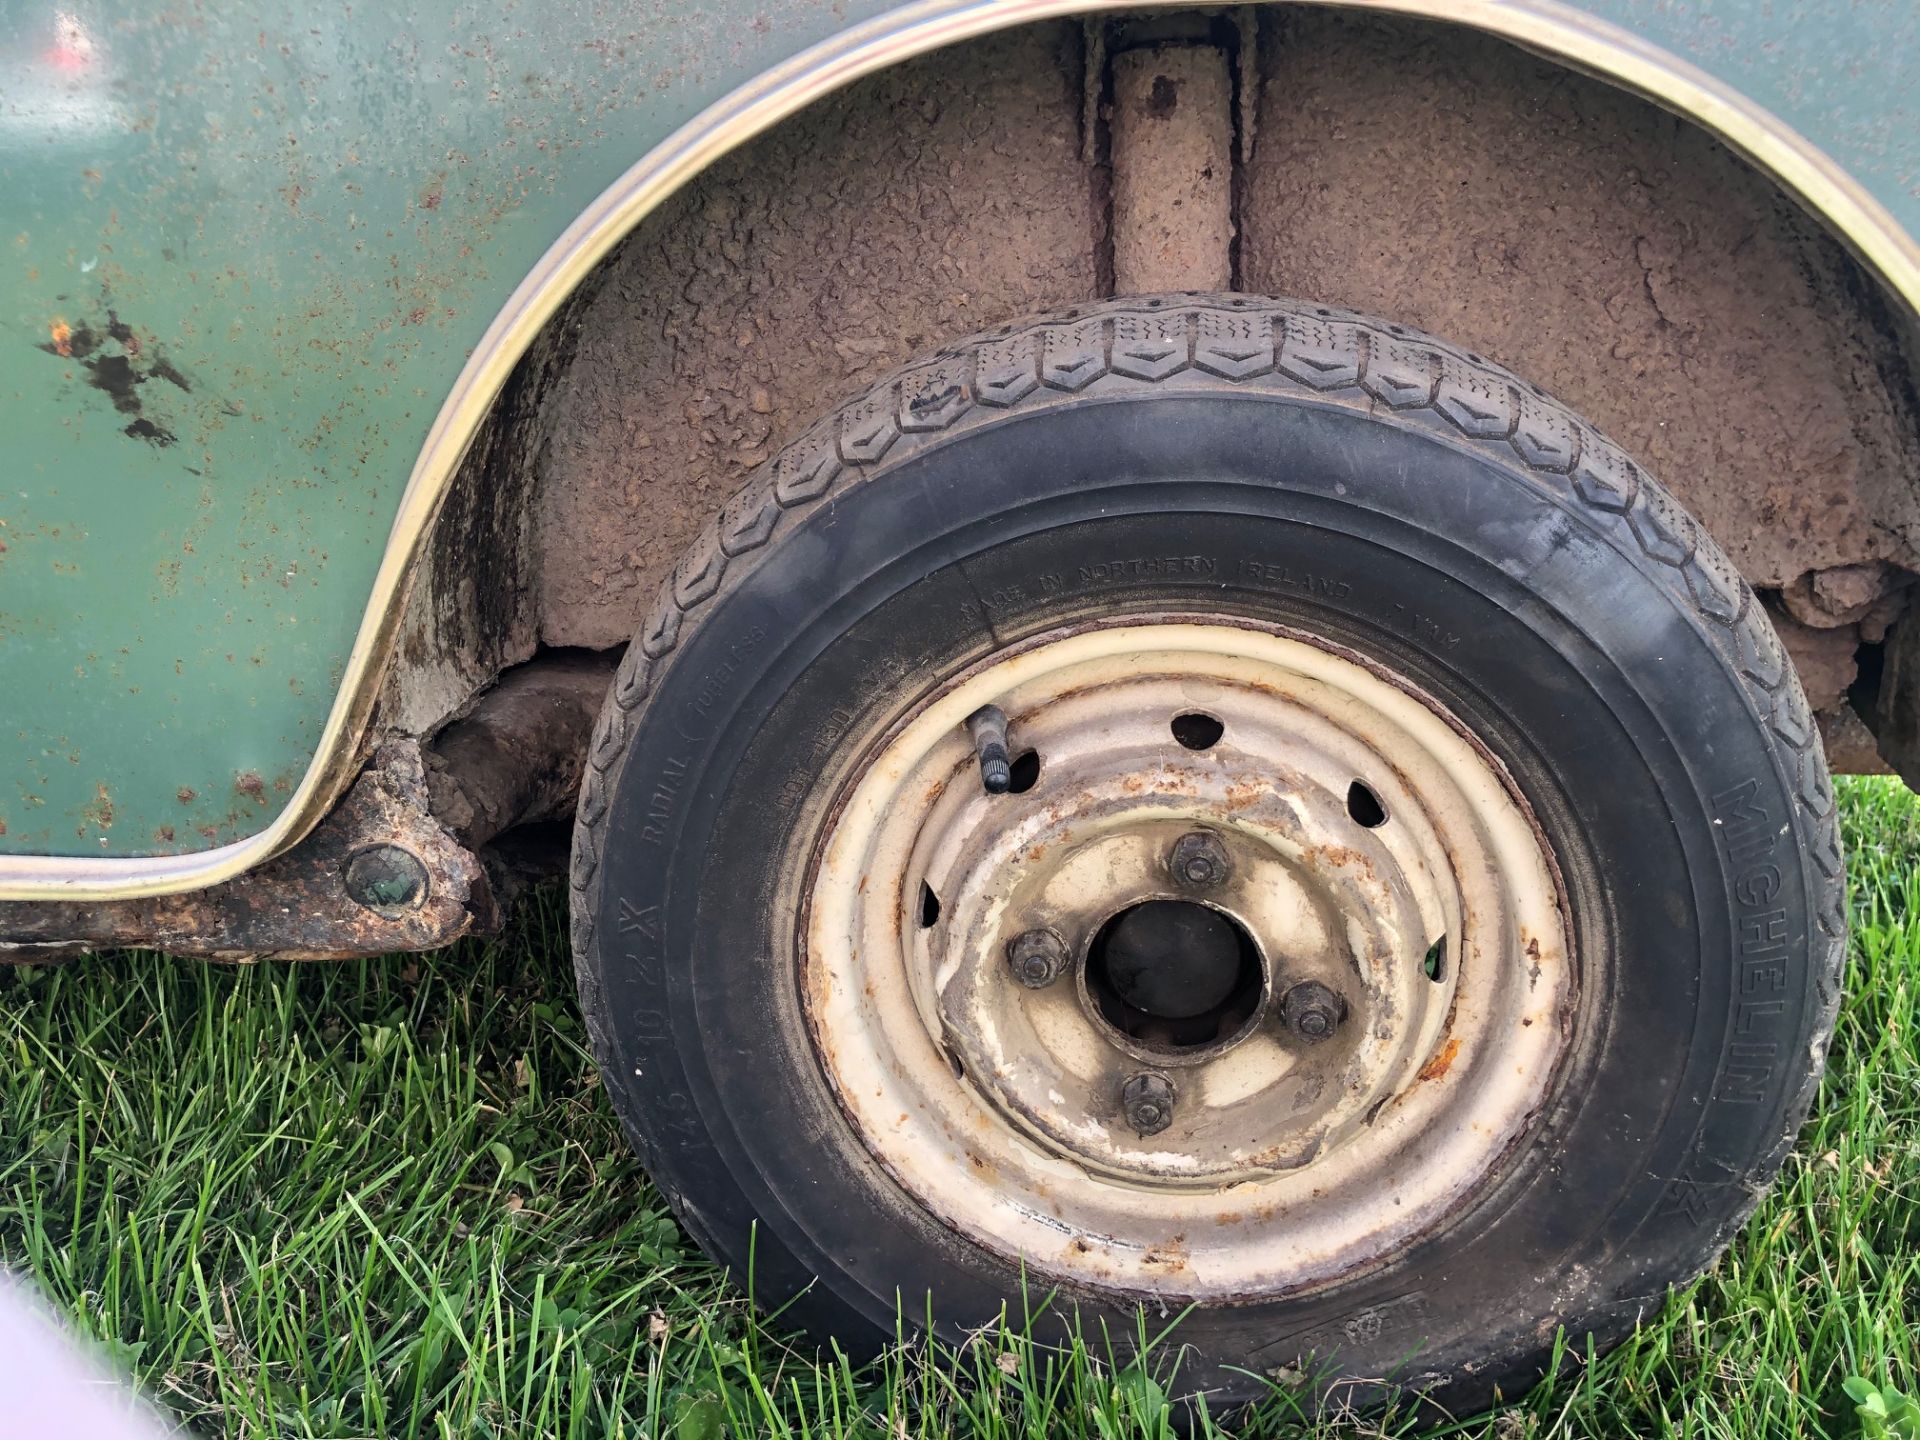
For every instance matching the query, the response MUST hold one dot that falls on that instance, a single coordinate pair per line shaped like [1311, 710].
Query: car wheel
[1218, 804]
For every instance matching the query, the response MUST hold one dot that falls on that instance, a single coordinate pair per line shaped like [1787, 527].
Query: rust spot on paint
[1246, 792]
[252, 786]
[115, 375]
[144, 429]
[70, 341]
[99, 814]
[1441, 1063]
[185, 795]
[164, 369]
[123, 332]
[119, 376]
[1173, 1255]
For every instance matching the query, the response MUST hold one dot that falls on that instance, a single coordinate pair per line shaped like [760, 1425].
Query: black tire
[1479, 538]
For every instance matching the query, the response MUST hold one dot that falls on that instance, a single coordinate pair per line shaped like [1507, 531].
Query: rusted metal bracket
[1172, 129]
[408, 860]
[300, 905]
[516, 758]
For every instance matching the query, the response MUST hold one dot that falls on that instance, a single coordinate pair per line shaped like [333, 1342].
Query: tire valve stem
[988, 727]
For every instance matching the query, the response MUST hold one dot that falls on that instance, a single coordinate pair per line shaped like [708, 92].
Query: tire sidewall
[1697, 1054]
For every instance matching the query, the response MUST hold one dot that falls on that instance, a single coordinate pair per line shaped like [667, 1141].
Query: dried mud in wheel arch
[919, 206]
[1592, 242]
[1629, 263]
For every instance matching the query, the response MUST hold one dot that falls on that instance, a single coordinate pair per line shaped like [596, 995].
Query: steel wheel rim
[1287, 1164]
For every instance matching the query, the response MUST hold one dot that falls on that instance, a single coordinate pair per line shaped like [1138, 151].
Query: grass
[389, 1198]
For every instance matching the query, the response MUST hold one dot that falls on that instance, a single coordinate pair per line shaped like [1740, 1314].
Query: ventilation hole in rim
[929, 906]
[1364, 806]
[1024, 771]
[1435, 965]
[1197, 731]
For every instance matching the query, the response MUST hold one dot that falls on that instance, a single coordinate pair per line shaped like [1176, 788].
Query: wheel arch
[531, 333]
[1558, 32]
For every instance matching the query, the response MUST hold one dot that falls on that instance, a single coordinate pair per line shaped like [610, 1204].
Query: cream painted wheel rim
[1287, 1164]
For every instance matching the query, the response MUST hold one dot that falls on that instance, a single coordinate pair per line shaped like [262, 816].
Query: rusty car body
[315, 318]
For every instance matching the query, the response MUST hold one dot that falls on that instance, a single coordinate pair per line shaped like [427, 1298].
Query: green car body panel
[247, 249]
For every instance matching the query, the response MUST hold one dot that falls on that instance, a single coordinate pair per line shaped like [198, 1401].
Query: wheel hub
[1173, 960]
[1244, 850]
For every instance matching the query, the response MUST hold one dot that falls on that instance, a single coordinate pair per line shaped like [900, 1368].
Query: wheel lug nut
[1312, 1012]
[1147, 1100]
[1037, 958]
[1198, 860]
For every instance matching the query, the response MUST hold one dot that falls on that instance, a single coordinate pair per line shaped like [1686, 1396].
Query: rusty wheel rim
[1357, 847]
